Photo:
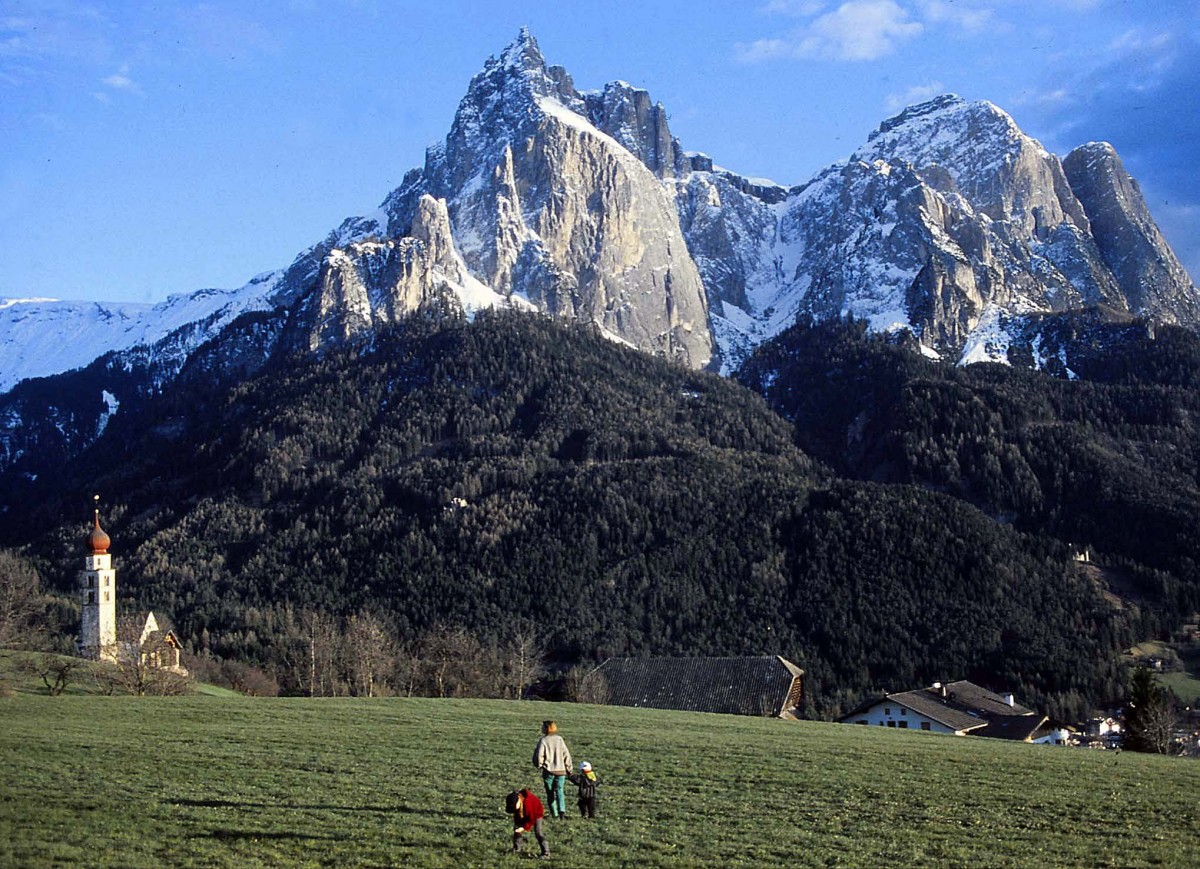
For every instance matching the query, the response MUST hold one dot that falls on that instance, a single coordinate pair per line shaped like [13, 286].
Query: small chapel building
[155, 646]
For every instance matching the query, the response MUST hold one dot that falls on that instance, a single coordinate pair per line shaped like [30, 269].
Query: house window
[891, 724]
[924, 725]
[903, 711]
[91, 597]
[904, 725]
[887, 710]
[106, 582]
[106, 597]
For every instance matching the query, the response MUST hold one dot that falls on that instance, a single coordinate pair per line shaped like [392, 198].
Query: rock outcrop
[1150, 276]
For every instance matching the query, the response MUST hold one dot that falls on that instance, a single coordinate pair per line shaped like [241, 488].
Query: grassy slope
[15, 676]
[199, 781]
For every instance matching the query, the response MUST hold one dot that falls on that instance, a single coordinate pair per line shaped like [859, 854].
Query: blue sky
[153, 148]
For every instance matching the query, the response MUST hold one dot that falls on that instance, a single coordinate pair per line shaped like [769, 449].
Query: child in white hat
[587, 781]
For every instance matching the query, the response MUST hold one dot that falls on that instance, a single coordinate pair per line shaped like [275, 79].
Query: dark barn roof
[761, 686]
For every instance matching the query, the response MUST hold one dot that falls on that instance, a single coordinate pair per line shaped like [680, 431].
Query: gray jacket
[552, 755]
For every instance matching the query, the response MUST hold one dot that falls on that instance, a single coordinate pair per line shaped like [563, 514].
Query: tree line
[460, 476]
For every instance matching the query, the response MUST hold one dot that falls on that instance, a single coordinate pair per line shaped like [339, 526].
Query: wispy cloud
[915, 94]
[857, 30]
[1140, 95]
[36, 45]
[120, 81]
[970, 17]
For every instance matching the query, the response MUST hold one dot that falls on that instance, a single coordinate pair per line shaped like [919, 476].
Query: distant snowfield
[40, 337]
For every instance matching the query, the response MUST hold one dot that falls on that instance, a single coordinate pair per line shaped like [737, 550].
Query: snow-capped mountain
[39, 337]
[949, 222]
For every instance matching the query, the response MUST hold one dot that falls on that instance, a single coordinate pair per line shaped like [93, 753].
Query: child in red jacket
[527, 812]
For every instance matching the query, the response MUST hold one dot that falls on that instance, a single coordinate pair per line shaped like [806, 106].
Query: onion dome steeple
[98, 541]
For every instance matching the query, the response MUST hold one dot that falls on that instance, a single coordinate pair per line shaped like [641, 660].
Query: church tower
[98, 591]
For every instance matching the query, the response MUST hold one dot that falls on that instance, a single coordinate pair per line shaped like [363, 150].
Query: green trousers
[556, 800]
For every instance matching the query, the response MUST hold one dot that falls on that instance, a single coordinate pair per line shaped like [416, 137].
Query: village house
[962, 708]
[767, 686]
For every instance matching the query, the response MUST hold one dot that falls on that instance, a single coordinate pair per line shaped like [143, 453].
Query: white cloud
[120, 81]
[915, 94]
[859, 30]
[856, 30]
[970, 17]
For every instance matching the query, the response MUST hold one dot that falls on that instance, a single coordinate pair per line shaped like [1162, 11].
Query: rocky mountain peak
[976, 150]
[912, 114]
[628, 114]
[1150, 275]
[500, 108]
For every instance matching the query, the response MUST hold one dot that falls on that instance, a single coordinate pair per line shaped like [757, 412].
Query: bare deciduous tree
[321, 639]
[455, 662]
[21, 601]
[522, 659]
[55, 671]
[586, 685]
[407, 669]
[369, 652]
[1151, 716]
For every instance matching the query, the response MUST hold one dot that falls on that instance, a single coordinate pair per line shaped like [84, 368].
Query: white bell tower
[98, 595]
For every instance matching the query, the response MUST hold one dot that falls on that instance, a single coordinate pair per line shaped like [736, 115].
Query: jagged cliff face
[546, 206]
[1150, 276]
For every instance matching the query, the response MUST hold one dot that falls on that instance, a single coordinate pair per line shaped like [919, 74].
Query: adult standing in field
[552, 757]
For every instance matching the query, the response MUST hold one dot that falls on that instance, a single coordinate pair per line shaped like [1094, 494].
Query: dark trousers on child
[587, 807]
[537, 833]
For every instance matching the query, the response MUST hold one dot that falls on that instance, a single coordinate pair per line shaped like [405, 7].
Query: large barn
[767, 686]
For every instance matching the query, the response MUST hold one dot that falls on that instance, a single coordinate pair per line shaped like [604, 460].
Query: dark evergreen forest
[881, 520]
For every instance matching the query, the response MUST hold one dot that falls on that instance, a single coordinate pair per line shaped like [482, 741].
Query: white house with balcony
[962, 708]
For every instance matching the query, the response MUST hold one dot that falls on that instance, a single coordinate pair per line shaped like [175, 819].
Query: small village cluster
[769, 686]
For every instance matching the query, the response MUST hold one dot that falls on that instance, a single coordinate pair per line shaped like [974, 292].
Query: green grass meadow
[215, 781]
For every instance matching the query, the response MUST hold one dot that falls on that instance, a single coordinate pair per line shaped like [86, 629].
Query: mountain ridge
[949, 223]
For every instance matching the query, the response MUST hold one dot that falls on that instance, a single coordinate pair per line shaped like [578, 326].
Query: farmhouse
[767, 686]
[960, 708]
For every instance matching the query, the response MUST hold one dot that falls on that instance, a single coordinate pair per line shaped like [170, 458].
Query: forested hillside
[479, 475]
[1103, 457]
